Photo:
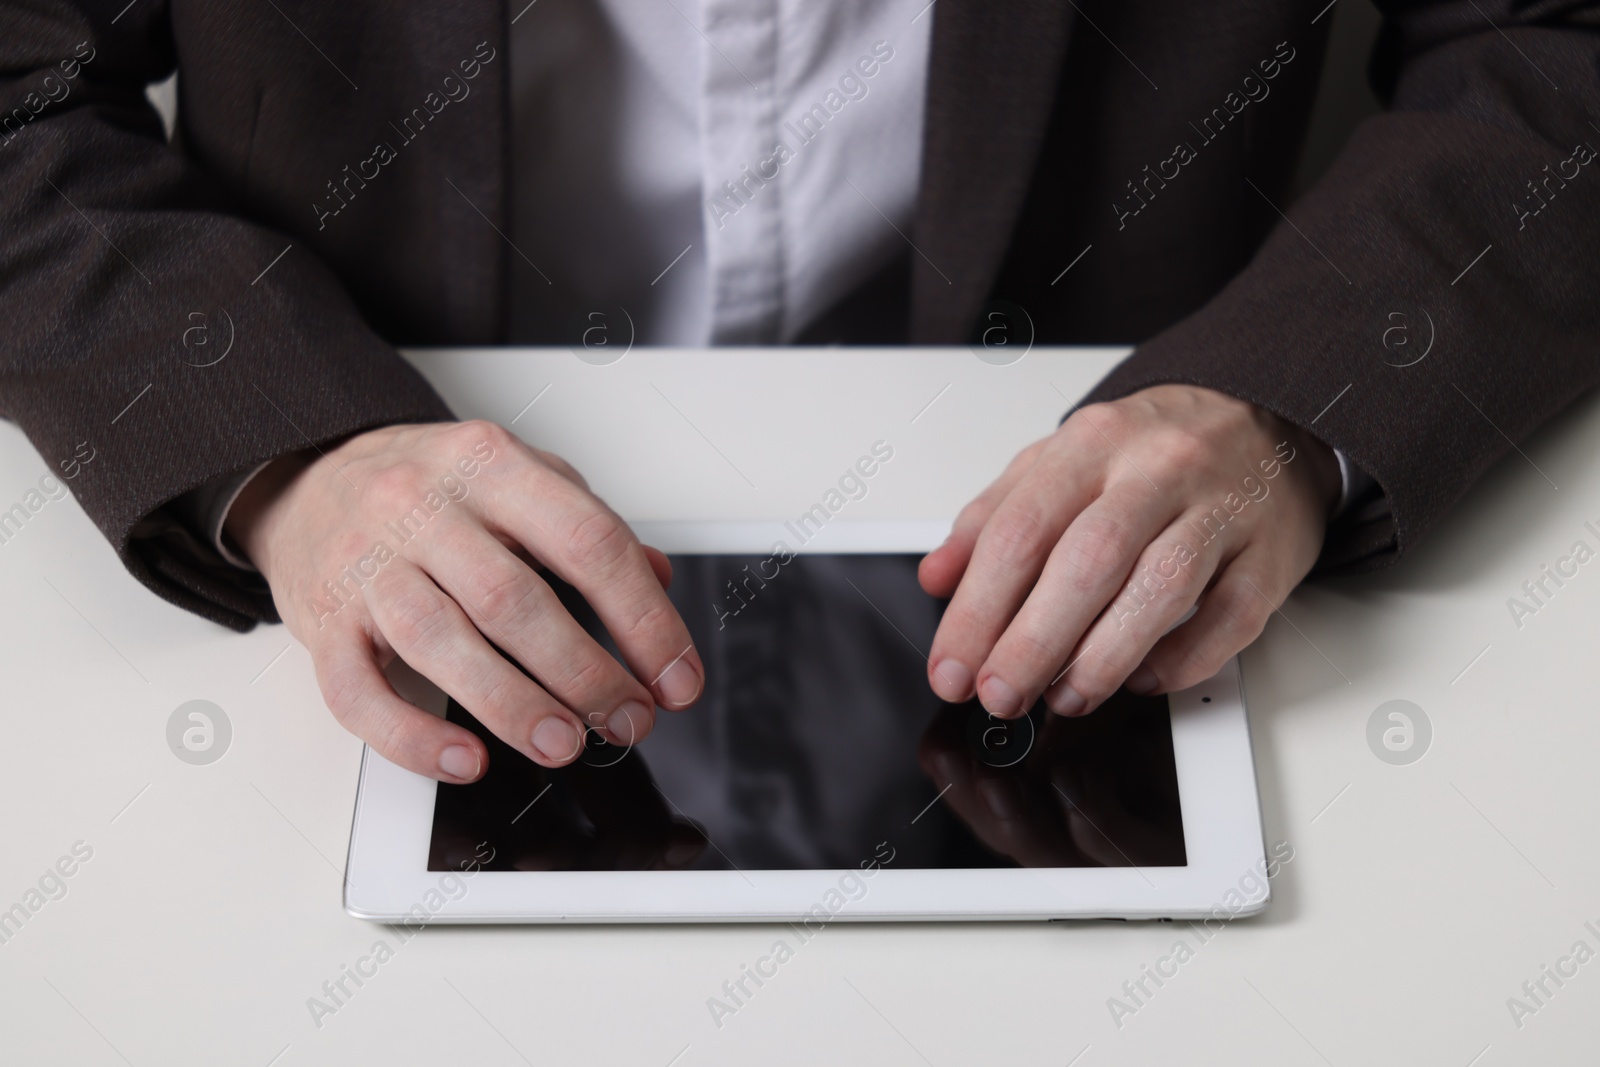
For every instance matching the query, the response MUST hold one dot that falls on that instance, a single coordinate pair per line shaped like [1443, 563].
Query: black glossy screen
[817, 744]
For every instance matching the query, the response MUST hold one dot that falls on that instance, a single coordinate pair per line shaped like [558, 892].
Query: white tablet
[819, 778]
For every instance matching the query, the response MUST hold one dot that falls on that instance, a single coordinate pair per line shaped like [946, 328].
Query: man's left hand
[1067, 573]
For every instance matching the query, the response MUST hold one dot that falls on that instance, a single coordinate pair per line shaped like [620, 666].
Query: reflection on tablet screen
[818, 745]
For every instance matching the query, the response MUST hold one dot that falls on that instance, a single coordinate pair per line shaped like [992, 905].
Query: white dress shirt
[725, 170]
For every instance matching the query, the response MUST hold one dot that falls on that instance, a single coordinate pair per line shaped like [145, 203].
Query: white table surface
[1419, 898]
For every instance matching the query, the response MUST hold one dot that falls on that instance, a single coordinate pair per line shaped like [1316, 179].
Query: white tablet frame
[387, 879]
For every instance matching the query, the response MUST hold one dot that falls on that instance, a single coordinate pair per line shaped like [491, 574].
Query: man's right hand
[387, 545]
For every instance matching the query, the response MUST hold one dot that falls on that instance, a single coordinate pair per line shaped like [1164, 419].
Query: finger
[660, 562]
[940, 570]
[517, 610]
[561, 466]
[660, 565]
[432, 634]
[1009, 556]
[1083, 574]
[593, 550]
[1232, 614]
[364, 702]
[1168, 578]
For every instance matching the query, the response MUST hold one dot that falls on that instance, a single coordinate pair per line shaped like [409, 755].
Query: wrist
[260, 504]
[1321, 469]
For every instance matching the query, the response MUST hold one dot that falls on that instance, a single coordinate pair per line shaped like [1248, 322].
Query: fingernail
[556, 739]
[629, 724]
[952, 681]
[1066, 701]
[1142, 682]
[999, 698]
[679, 684]
[459, 761]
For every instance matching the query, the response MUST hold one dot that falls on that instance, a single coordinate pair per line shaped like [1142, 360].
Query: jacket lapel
[992, 75]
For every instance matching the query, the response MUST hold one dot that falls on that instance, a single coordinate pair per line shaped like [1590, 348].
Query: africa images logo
[199, 732]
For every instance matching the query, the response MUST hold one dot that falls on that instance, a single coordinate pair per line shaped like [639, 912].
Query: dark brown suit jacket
[1154, 138]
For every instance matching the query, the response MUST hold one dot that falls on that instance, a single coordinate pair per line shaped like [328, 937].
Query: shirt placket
[744, 250]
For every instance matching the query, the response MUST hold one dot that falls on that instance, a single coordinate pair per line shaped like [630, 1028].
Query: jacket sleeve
[1435, 297]
[150, 324]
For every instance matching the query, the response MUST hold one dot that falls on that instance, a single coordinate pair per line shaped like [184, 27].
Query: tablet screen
[818, 744]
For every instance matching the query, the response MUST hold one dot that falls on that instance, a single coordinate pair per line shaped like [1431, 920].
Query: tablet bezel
[386, 869]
